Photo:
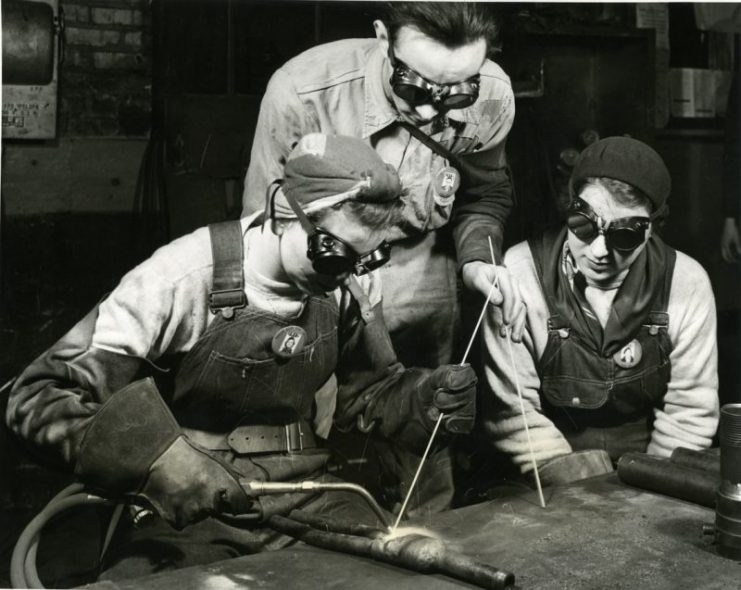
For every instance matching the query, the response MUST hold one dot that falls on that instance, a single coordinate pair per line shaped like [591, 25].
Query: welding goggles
[331, 255]
[417, 90]
[624, 234]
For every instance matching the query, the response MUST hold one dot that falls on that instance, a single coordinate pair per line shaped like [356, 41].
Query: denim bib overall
[600, 401]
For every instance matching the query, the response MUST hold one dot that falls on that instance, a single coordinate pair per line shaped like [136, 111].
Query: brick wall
[106, 78]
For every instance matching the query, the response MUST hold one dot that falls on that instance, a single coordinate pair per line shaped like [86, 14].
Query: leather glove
[575, 466]
[451, 390]
[134, 445]
[186, 484]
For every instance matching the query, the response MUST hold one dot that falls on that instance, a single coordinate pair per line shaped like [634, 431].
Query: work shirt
[342, 88]
[687, 417]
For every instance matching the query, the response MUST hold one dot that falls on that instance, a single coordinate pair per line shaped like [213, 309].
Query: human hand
[449, 390]
[730, 243]
[186, 484]
[479, 276]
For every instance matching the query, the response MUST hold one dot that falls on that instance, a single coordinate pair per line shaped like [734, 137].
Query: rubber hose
[24, 547]
[29, 563]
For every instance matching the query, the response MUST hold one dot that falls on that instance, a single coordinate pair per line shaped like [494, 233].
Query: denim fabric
[232, 376]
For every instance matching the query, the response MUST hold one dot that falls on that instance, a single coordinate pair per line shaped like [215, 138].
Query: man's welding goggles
[415, 89]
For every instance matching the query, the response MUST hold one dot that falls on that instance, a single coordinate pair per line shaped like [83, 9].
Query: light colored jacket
[689, 415]
[342, 88]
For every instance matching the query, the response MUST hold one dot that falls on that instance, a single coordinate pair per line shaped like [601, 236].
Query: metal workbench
[598, 534]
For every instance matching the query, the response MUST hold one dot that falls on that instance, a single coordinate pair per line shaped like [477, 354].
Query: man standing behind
[426, 70]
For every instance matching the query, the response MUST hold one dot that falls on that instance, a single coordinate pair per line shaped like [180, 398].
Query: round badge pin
[629, 355]
[446, 182]
[288, 341]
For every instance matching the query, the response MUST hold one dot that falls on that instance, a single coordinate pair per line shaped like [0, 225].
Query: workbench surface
[599, 534]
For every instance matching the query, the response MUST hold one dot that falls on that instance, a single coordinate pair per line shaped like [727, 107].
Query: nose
[426, 112]
[599, 247]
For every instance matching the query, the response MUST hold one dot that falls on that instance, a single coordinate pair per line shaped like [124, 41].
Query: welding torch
[413, 550]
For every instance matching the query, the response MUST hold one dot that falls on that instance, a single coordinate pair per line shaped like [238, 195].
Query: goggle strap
[435, 146]
[302, 218]
[366, 311]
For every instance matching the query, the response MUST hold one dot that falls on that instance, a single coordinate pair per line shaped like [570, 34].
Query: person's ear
[382, 35]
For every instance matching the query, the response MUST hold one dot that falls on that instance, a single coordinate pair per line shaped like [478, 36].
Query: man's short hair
[453, 24]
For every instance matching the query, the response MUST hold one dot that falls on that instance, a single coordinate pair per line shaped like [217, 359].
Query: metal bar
[661, 475]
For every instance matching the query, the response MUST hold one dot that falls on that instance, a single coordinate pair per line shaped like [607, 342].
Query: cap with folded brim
[628, 160]
[323, 170]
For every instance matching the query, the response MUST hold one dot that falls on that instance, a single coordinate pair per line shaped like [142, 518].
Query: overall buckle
[226, 301]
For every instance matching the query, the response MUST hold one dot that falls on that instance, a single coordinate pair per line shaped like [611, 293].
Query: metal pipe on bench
[662, 475]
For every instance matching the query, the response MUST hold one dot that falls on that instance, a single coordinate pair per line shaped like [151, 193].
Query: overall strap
[546, 250]
[658, 316]
[227, 287]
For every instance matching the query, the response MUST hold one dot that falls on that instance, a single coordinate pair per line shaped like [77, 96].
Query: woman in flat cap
[619, 351]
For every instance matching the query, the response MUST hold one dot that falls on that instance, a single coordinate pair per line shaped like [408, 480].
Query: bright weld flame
[403, 531]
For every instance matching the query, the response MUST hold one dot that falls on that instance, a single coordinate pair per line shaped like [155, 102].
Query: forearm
[502, 412]
[54, 400]
[689, 415]
[479, 215]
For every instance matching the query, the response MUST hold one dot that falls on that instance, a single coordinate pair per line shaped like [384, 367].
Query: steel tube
[707, 460]
[415, 552]
[661, 475]
[309, 486]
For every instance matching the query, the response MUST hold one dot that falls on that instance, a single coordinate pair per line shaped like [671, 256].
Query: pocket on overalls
[234, 382]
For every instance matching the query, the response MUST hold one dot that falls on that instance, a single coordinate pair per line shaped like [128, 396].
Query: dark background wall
[158, 102]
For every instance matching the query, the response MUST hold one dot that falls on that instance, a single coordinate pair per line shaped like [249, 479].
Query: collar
[568, 264]
[380, 111]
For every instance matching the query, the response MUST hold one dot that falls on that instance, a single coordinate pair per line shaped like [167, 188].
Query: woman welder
[220, 307]
[619, 353]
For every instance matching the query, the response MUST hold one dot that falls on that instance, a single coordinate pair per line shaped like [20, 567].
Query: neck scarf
[633, 301]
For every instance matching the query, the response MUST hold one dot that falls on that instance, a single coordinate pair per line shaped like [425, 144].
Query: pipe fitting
[728, 496]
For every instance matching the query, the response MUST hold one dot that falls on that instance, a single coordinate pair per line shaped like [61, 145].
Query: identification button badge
[288, 341]
[629, 355]
[446, 182]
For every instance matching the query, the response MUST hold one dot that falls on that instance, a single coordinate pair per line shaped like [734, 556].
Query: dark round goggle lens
[373, 260]
[331, 264]
[581, 226]
[626, 240]
[459, 101]
[412, 94]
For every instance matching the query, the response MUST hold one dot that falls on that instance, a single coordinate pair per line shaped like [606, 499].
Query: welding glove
[575, 466]
[450, 390]
[134, 446]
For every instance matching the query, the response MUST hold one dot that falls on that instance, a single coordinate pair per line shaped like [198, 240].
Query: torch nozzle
[260, 488]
